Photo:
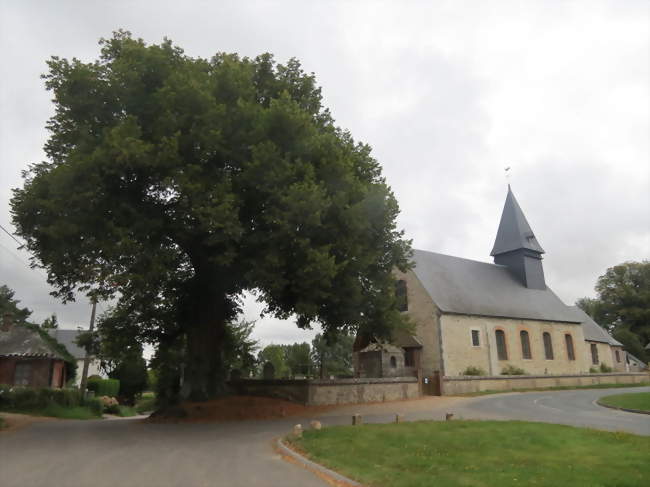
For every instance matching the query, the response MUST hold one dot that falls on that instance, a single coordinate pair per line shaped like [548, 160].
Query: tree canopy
[622, 305]
[177, 183]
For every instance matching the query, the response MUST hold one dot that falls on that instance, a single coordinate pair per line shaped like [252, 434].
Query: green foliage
[146, 403]
[104, 387]
[131, 374]
[298, 359]
[152, 379]
[594, 370]
[46, 401]
[480, 453]
[333, 357]
[512, 370]
[605, 369]
[3, 423]
[623, 305]
[10, 305]
[276, 355]
[471, 370]
[240, 348]
[197, 179]
[51, 323]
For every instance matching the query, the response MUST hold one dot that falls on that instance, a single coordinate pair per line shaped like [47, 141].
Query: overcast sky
[448, 94]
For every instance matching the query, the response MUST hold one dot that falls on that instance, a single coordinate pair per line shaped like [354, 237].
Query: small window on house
[393, 363]
[502, 351]
[548, 346]
[618, 356]
[409, 357]
[594, 354]
[525, 345]
[22, 374]
[569, 347]
[401, 295]
[476, 338]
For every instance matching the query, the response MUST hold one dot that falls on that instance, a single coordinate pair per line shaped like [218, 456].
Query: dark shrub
[104, 387]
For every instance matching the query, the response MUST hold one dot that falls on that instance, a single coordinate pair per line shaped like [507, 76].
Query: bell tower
[516, 246]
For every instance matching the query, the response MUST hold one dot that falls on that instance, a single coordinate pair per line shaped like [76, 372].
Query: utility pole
[84, 375]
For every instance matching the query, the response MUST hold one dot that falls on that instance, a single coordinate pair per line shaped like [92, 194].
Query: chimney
[7, 322]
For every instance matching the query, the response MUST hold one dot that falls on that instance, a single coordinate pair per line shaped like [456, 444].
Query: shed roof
[20, 341]
[592, 331]
[68, 338]
[471, 287]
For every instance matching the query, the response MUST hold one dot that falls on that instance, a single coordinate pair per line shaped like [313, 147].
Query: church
[477, 318]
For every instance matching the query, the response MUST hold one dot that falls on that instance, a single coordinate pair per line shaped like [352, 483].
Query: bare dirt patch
[235, 408]
[15, 421]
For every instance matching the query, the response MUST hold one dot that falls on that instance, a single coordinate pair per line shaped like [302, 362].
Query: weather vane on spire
[507, 171]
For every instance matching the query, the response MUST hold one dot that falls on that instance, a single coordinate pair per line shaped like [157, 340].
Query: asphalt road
[129, 453]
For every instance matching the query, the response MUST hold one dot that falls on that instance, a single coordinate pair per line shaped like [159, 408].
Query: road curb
[316, 467]
[638, 411]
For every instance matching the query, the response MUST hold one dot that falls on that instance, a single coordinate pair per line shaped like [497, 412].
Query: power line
[12, 236]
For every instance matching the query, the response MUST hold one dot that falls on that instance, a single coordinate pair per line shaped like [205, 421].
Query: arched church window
[401, 295]
[594, 354]
[502, 351]
[569, 347]
[548, 346]
[525, 345]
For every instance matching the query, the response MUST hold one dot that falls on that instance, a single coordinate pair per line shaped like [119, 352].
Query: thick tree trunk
[205, 374]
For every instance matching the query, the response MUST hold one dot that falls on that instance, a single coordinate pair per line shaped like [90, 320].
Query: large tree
[622, 305]
[180, 182]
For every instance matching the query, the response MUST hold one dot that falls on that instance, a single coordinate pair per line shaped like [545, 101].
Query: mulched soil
[234, 408]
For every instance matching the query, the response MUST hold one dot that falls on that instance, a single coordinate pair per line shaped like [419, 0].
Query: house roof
[68, 338]
[592, 331]
[637, 361]
[20, 341]
[405, 340]
[470, 287]
[514, 231]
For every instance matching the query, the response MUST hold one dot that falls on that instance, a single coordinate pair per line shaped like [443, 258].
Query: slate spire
[517, 247]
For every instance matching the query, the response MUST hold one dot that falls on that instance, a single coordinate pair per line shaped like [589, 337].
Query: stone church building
[489, 316]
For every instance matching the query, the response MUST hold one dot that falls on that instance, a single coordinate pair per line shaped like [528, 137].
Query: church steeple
[516, 246]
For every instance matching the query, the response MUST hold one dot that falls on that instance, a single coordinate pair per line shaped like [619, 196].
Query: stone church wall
[459, 353]
[425, 315]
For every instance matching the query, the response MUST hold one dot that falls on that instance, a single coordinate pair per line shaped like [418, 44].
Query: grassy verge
[480, 453]
[58, 411]
[146, 403]
[126, 411]
[637, 400]
[3, 424]
[557, 388]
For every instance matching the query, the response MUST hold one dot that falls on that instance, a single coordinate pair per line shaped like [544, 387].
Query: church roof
[592, 331]
[470, 287]
[514, 231]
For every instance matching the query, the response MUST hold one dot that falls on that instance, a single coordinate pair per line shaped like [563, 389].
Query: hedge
[104, 387]
[14, 398]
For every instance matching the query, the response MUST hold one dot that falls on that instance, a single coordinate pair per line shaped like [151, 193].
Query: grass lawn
[481, 454]
[635, 400]
[57, 411]
[126, 411]
[3, 424]
[558, 388]
[146, 403]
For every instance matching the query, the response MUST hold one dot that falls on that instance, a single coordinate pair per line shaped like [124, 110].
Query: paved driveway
[131, 453]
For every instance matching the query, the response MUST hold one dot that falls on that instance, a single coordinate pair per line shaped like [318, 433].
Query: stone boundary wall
[470, 384]
[329, 392]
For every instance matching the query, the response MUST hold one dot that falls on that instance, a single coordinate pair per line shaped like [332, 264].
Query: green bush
[104, 387]
[512, 370]
[605, 369]
[471, 370]
[35, 399]
[593, 370]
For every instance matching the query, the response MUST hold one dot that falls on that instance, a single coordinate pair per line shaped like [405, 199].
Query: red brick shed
[26, 359]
